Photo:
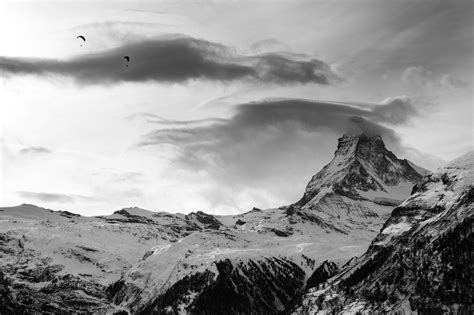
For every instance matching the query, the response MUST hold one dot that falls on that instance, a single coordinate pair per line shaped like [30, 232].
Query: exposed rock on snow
[358, 189]
[422, 259]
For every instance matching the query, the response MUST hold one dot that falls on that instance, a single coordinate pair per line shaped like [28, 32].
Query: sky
[223, 105]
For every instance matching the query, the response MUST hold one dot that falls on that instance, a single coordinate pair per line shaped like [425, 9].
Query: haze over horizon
[218, 115]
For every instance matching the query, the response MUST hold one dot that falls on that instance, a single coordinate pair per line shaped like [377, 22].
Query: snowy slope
[357, 190]
[421, 259]
[41, 248]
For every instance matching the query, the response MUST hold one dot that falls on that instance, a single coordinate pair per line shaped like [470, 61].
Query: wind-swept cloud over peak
[268, 141]
[395, 110]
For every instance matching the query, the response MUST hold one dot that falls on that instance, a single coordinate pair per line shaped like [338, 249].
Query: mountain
[357, 190]
[66, 261]
[421, 261]
[363, 169]
[146, 262]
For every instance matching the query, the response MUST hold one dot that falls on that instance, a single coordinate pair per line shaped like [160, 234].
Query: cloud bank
[174, 59]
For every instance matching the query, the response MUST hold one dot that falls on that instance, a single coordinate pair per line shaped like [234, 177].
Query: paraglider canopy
[127, 58]
[81, 37]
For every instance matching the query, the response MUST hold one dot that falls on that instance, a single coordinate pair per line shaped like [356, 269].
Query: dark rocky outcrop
[203, 220]
[325, 271]
[269, 286]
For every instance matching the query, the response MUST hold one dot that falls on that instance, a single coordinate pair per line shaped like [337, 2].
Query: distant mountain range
[304, 257]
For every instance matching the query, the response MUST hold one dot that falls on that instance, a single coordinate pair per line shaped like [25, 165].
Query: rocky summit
[271, 261]
[357, 190]
[363, 169]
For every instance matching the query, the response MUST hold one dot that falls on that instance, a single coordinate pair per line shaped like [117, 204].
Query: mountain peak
[360, 144]
[361, 164]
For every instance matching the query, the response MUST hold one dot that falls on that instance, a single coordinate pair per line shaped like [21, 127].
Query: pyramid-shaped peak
[359, 144]
[361, 164]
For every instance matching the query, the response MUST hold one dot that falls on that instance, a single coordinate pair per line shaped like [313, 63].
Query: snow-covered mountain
[357, 190]
[421, 261]
[66, 261]
[140, 261]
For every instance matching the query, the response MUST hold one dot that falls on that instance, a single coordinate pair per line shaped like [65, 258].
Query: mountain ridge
[159, 262]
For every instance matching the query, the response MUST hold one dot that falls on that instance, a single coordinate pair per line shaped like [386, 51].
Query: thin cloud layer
[51, 197]
[449, 81]
[35, 150]
[174, 59]
[268, 45]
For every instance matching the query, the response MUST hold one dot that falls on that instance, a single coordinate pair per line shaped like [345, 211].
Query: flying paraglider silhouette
[127, 58]
[81, 37]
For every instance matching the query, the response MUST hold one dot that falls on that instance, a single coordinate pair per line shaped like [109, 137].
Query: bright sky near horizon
[184, 127]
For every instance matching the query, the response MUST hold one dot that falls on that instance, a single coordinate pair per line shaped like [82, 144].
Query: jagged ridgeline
[259, 262]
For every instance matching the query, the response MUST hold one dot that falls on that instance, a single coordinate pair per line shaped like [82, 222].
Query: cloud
[395, 110]
[194, 122]
[127, 177]
[173, 59]
[35, 150]
[420, 77]
[268, 45]
[273, 67]
[436, 35]
[145, 116]
[302, 114]
[51, 197]
[417, 76]
[270, 144]
[113, 33]
[113, 24]
[155, 119]
[148, 11]
[158, 120]
[453, 83]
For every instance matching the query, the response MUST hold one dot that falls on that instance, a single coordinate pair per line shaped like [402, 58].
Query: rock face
[279, 281]
[361, 164]
[326, 270]
[421, 260]
[139, 261]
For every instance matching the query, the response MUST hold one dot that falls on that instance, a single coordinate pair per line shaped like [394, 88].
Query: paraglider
[81, 37]
[127, 58]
